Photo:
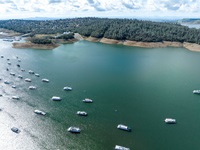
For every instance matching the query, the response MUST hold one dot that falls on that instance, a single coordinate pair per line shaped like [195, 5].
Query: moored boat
[37, 75]
[117, 147]
[87, 100]
[11, 73]
[39, 112]
[124, 127]
[14, 86]
[15, 129]
[67, 88]
[170, 121]
[31, 87]
[31, 72]
[6, 82]
[45, 80]
[56, 98]
[28, 80]
[81, 113]
[15, 97]
[19, 76]
[196, 92]
[74, 130]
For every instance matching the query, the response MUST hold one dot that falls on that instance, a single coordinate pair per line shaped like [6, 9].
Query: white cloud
[68, 8]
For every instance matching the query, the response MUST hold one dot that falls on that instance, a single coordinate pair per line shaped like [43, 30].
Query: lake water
[138, 87]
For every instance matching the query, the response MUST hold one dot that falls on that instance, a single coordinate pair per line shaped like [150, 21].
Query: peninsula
[129, 32]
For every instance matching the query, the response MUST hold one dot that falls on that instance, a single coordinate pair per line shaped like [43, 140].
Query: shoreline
[190, 46]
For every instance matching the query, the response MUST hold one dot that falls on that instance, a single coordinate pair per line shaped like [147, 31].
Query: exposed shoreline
[189, 46]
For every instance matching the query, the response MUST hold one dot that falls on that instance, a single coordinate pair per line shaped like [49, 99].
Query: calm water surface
[137, 87]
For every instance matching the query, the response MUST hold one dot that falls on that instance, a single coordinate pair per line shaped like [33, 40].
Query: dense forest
[120, 29]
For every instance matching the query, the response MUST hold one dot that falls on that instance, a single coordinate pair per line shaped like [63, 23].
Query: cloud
[95, 7]
[130, 4]
[54, 1]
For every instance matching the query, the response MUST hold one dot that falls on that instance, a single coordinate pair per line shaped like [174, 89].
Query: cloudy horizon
[16, 9]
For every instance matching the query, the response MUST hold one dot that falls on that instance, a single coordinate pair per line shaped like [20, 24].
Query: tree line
[119, 29]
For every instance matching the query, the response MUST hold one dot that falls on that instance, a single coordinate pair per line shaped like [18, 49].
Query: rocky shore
[189, 46]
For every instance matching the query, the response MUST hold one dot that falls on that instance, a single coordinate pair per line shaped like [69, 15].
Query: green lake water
[138, 87]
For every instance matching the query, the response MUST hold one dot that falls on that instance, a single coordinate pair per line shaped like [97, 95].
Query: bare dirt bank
[189, 46]
[35, 46]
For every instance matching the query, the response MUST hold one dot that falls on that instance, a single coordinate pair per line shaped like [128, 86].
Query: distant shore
[189, 46]
[28, 44]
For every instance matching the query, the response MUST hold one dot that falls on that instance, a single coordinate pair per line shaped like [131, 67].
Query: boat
[11, 73]
[8, 59]
[22, 70]
[14, 129]
[6, 82]
[124, 127]
[9, 63]
[117, 147]
[19, 60]
[81, 113]
[7, 69]
[74, 130]
[67, 88]
[196, 92]
[2, 56]
[28, 80]
[87, 100]
[31, 72]
[170, 121]
[13, 86]
[39, 112]
[18, 65]
[45, 80]
[19, 76]
[37, 75]
[56, 98]
[15, 97]
[32, 87]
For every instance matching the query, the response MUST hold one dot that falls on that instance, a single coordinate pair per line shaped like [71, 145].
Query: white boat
[31, 87]
[124, 127]
[37, 75]
[19, 60]
[74, 129]
[13, 86]
[19, 76]
[117, 147]
[56, 98]
[28, 80]
[14, 129]
[15, 97]
[45, 80]
[39, 112]
[67, 88]
[170, 121]
[196, 92]
[87, 100]
[31, 72]
[9, 63]
[11, 73]
[81, 113]
[6, 82]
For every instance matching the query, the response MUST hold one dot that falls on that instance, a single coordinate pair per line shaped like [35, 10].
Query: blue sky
[13, 9]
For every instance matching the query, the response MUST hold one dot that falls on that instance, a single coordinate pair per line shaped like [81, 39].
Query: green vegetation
[120, 29]
[40, 41]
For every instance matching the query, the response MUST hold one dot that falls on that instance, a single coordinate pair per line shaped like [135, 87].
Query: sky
[16, 9]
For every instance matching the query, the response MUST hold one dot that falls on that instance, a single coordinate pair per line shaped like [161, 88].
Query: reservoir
[137, 87]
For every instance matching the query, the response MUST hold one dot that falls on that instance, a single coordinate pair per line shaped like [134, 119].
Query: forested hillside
[120, 29]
